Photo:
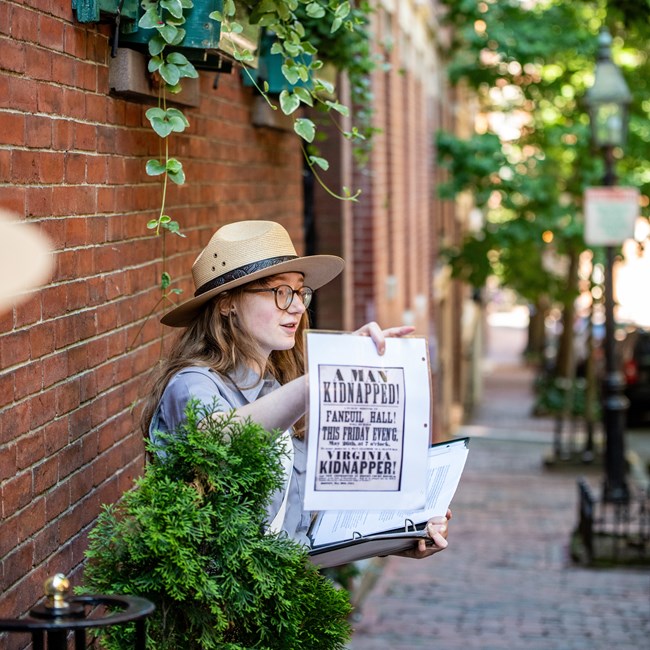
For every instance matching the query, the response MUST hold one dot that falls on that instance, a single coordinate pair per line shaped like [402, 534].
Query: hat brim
[317, 269]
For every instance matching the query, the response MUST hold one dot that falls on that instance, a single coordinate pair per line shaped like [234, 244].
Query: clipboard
[362, 548]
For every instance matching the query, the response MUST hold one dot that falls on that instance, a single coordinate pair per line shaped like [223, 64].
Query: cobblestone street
[506, 581]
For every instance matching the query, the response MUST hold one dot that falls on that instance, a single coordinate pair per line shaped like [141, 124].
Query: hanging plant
[350, 50]
[165, 19]
[168, 67]
[293, 41]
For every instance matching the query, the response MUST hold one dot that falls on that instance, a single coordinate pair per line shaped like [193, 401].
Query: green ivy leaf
[354, 134]
[305, 129]
[245, 56]
[164, 122]
[174, 228]
[288, 102]
[165, 218]
[154, 63]
[314, 10]
[292, 49]
[165, 280]
[177, 177]
[177, 58]
[174, 7]
[234, 28]
[188, 71]
[177, 118]
[152, 224]
[156, 44]
[339, 108]
[343, 10]
[180, 35]
[150, 19]
[319, 162]
[155, 168]
[169, 33]
[265, 6]
[303, 72]
[158, 120]
[185, 67]
[304, 95]
[170, 73]
[290, 74]
[324, 86]
[174, 166]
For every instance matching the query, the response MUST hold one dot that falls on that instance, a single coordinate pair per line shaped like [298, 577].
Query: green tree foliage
[189, 538]
[531, 63]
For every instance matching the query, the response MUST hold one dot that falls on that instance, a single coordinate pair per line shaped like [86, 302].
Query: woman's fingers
[438, 530]
[379, 336]
[402, 330]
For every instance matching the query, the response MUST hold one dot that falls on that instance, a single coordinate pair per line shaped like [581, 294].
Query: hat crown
[238, 245]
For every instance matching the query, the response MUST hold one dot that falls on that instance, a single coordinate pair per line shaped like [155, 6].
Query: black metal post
[615, 403]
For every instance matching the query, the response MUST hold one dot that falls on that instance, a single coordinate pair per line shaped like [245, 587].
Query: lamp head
[608, 99]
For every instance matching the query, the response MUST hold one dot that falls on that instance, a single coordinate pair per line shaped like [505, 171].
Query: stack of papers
[339, 537]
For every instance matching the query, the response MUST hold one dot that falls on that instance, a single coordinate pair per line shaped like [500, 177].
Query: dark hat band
[243, 271]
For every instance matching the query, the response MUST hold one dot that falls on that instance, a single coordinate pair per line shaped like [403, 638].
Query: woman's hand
[437, 530]
[379, 336]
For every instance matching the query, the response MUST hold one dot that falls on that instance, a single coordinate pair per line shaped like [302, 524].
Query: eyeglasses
[284, 294]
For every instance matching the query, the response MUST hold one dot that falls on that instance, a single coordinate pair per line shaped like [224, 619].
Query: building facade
[76, 356]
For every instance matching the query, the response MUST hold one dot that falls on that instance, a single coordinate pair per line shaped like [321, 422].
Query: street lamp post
[608, 100]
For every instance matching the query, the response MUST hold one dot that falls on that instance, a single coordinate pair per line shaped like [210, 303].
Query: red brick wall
[395, 224]
[76, 356]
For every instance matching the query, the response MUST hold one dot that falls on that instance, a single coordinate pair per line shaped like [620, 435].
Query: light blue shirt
[205, 385]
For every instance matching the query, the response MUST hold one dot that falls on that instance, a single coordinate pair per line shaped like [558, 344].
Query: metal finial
[56, 589]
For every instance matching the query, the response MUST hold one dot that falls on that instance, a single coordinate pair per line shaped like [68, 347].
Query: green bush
[554, 395]
[189, 538]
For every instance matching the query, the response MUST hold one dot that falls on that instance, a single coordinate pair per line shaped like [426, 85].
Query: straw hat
[244, 251]
[25, 259]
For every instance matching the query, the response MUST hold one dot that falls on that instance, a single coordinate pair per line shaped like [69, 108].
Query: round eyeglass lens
[306, 294]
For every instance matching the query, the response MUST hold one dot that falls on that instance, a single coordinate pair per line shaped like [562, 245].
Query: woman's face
[271, 328]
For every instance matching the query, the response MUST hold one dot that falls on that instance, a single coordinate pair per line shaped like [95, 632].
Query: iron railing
[53, 623]
[612, 532]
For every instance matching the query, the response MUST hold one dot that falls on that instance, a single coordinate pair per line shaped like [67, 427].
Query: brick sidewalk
[506, 580]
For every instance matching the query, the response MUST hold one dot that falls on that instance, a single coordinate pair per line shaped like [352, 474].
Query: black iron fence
[610, 533]
[57, 621]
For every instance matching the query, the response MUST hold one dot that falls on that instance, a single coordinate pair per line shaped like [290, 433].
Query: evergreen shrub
[189, 537]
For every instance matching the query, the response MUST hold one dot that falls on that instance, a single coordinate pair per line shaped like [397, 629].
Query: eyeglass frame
[293, 293]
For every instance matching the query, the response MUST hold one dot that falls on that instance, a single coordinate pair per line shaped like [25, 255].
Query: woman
[243, 345]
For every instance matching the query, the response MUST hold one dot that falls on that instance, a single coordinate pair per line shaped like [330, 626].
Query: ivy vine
[301, 28]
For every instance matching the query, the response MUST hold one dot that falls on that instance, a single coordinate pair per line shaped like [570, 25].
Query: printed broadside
[369, 425]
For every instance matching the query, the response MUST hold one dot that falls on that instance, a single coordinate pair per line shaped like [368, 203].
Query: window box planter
[204, 44]
[94, 11]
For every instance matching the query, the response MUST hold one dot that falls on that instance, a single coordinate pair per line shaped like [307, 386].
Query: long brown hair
[216, 340]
